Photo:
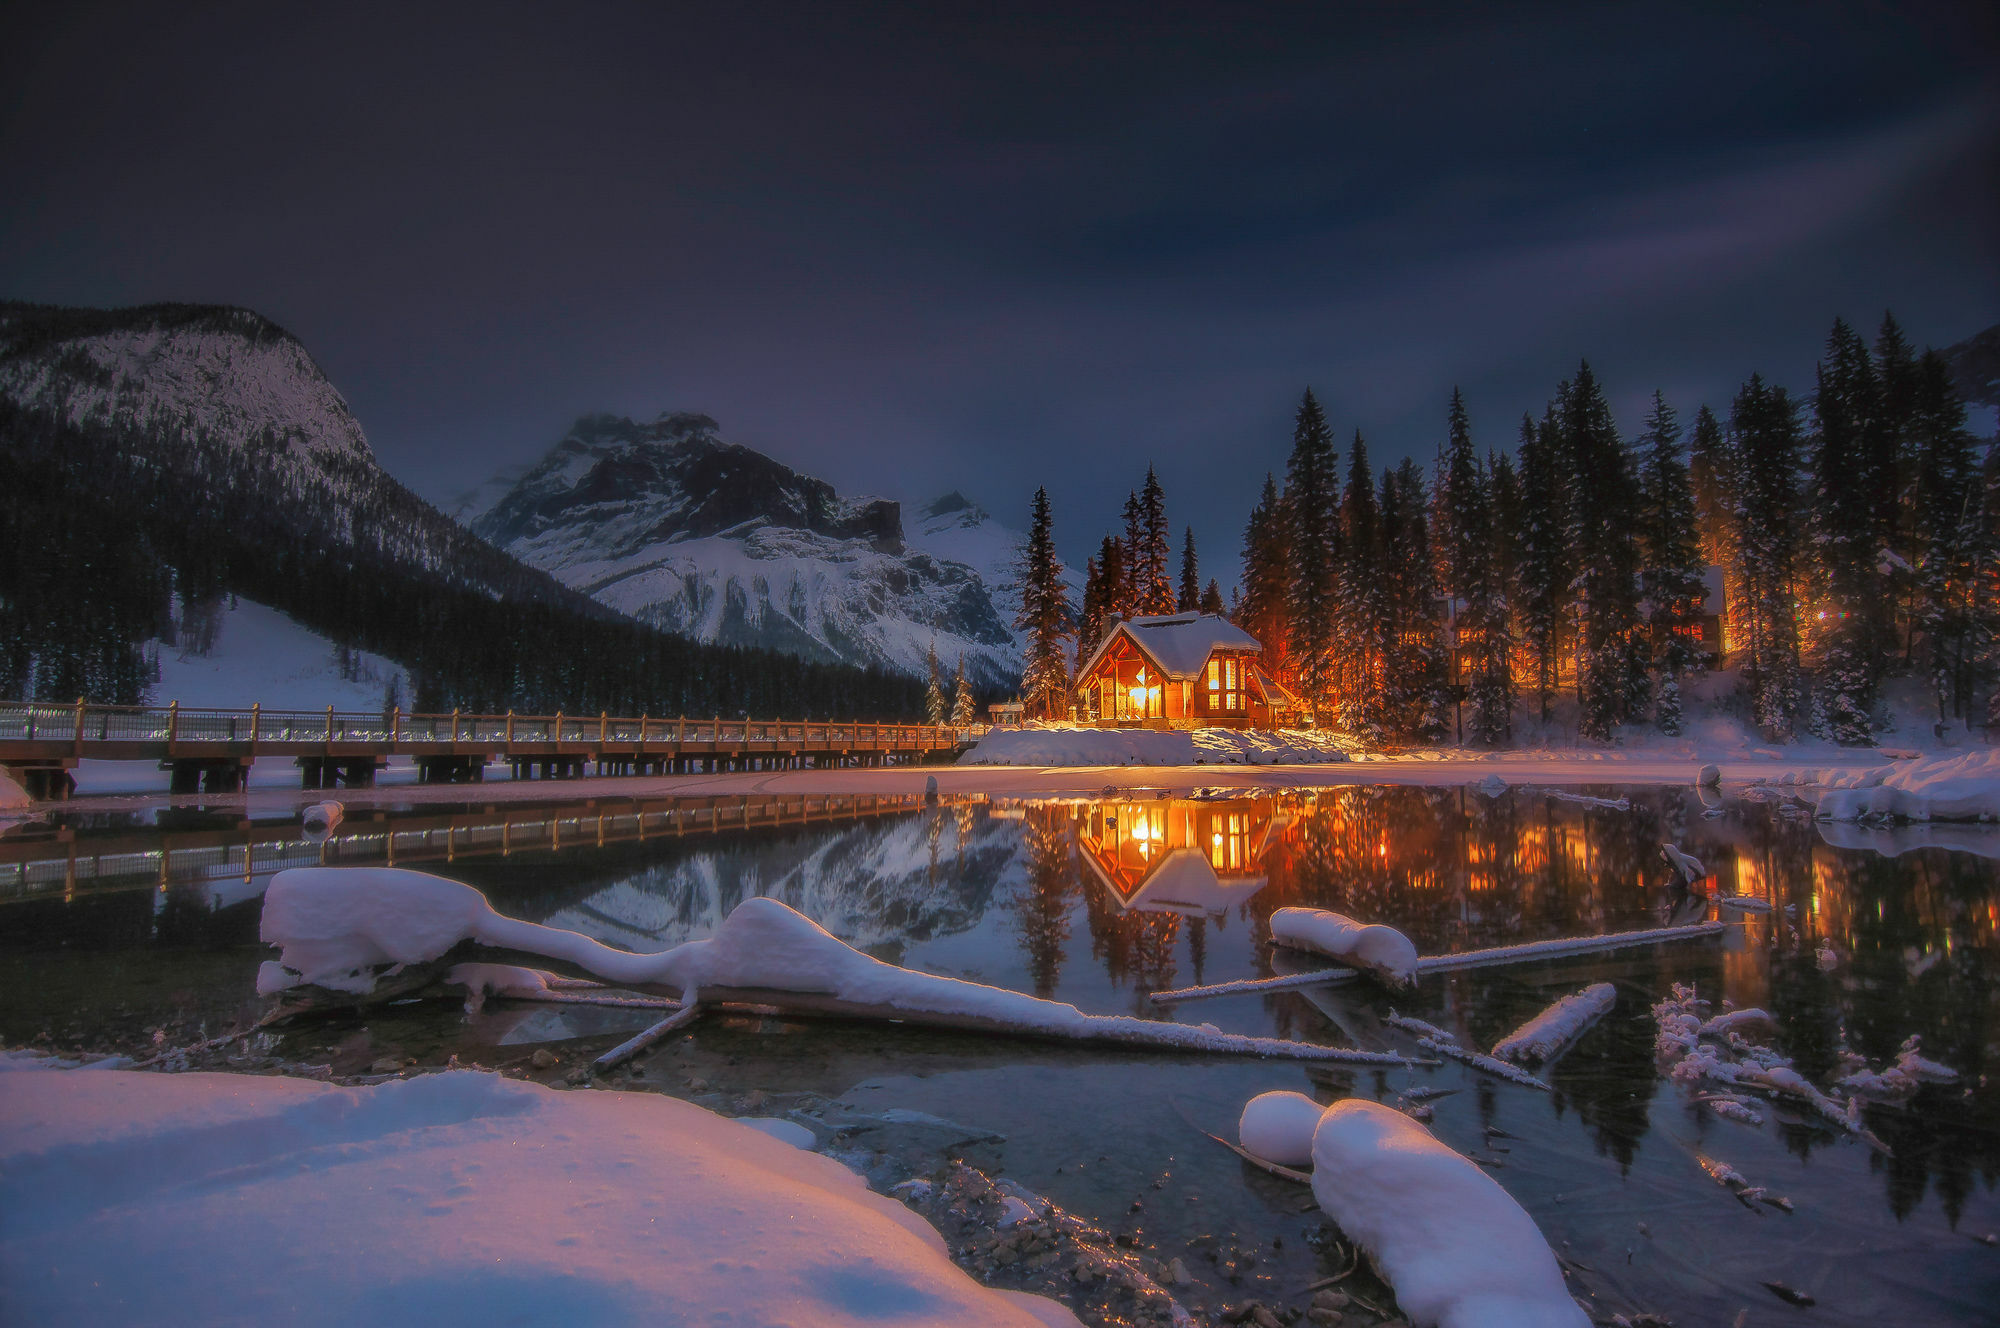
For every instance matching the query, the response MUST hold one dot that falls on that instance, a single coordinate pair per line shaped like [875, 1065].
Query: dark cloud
[909, 249]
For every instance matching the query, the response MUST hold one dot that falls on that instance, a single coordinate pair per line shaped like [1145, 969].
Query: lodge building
[1180, 671]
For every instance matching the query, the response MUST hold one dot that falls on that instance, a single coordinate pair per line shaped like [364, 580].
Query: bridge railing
[82, 722]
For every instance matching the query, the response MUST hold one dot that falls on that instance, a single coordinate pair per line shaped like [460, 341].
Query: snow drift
[460, 1197]
[1938, 788]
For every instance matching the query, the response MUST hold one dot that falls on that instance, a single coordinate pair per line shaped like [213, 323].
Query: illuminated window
[1225, 682]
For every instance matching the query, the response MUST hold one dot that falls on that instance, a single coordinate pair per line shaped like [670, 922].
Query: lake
[114, 924]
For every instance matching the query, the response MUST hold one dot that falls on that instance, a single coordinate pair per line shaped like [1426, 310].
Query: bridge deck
[38, 736]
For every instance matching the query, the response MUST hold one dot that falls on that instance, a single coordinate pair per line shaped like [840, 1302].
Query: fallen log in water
[344, 931]
[638, 1042]
[1505, 954]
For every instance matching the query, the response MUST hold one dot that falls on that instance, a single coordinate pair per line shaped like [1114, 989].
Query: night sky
[909, 252]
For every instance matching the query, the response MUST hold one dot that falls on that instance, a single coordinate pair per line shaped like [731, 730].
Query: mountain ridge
[671, 524]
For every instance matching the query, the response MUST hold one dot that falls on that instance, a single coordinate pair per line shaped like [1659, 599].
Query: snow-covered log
[1686, 864]
[337, 927]
[1278, 1127]
[1529, 952]
[1457, 1249]
[1554, 1028]
[323, 818]
[1381, 952]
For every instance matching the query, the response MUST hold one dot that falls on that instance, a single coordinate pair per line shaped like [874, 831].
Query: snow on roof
[1179, 643]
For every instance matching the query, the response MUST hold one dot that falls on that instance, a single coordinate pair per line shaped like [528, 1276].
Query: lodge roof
[1179, 644]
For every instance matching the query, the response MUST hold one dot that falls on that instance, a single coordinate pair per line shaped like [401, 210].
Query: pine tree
[1543, 574]
[1211, 598]
[1611, 678]
[934, 702]
[1132, 561]
[1103, 595]
[1850, 628]
[1045, 617]
[1712, 476]
[1190, 592]
[1764, 429]
[1362, 623]
[1670, 571]
[1312, 486]
[1416, 703]
[962, 712]
[1955, 557]
[1465, 544]
[1267, 570]
[1155, 590]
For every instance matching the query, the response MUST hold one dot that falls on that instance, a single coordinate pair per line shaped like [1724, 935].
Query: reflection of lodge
[1181, 856]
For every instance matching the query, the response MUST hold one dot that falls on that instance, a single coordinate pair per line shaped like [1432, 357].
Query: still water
[114, 924]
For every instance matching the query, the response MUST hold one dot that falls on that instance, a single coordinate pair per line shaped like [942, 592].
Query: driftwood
[687, 1013]
[819, 1005]
[1453, 963]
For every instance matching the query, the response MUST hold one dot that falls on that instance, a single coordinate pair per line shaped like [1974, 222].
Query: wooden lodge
[1180, 671]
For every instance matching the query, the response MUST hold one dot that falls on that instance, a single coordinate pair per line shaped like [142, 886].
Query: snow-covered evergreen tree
[1542, 570]
[1465, 543]
[1045, 616]
[934, 703]
[1849, 628]
[1611, 677]
[1190, 587]
[1362, 625]
[1954, 619]
[1670, 569]
[1415, 702]
[1156, 590]
[962, 712]
[1267, 573]
[1765, 442]
[1132, 560]
[1312, 485]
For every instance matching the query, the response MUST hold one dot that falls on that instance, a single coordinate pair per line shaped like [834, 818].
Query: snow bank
[1458, 1250]
[1278, 1127]
[1548, 1032]
[336, 926]
[450, 1198]
[12, 796]
[1065, 744]
[1384, 952]
[1938, 788]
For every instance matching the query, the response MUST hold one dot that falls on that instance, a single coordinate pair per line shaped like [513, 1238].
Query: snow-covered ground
[459, 1197]
[263, 656]
[1938, 788]
[1072, 745]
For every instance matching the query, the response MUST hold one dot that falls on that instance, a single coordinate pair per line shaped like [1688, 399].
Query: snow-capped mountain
[234, 403]
[668, 523]
[956, 529]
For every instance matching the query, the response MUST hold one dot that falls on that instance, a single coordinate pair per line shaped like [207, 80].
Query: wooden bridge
[212, 750]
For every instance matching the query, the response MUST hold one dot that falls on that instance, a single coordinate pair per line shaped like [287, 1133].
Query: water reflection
[1869, 939]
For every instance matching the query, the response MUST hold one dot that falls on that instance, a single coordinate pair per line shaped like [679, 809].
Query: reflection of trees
[1136, 947]
[1044, 904]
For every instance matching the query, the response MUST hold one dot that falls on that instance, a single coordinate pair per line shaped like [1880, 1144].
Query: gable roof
[1178, 643]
